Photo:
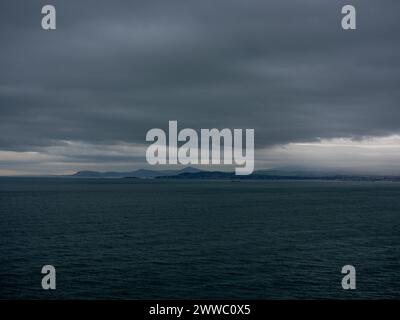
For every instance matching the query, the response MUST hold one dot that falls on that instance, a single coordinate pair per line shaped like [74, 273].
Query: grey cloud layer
[115, 69]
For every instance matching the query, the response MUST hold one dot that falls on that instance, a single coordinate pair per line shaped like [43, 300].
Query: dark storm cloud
[115, 69]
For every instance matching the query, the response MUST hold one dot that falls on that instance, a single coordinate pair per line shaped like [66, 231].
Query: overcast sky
[85, 95]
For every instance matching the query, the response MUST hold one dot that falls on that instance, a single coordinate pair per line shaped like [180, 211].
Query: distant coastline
[190, 173]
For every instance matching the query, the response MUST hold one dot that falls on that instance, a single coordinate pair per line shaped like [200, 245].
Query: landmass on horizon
[195, 173]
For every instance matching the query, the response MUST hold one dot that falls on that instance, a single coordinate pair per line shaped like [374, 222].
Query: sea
[188, 239]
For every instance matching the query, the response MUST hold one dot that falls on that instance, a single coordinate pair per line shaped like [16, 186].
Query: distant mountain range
[141, 173]
[193, 173]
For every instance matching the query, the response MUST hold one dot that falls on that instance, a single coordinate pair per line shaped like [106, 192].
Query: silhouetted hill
[193, 173]
[141, 173]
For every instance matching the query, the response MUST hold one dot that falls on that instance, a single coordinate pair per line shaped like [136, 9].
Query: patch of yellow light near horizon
[25, 155]
[69, 172]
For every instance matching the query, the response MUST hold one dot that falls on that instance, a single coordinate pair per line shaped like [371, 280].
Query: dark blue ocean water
[128, 239]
